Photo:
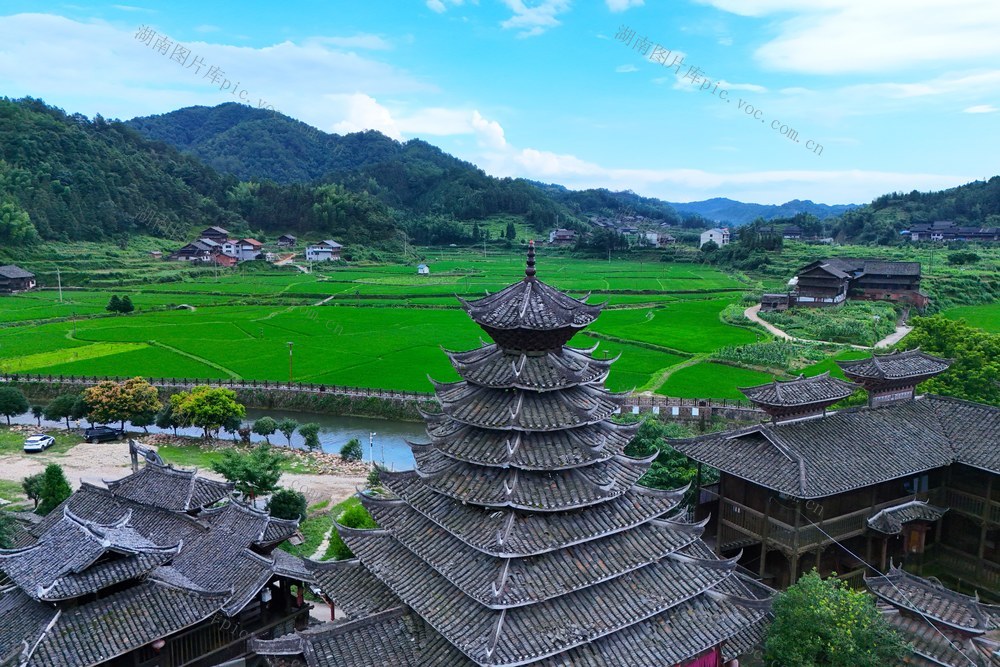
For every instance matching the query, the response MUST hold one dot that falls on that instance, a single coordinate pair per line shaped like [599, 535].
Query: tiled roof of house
[169, 488]
[11, 271]
[931, 647]
[890, 520]
[910, 592]
[522, 537]
[855, 448]
[801, 391]
[896, 365]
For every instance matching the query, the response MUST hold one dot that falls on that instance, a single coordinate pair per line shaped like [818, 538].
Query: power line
[913, 605]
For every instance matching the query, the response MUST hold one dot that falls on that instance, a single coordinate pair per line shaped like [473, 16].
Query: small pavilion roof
[169, 488]
[252, 526]
[531, 304]
[800, 391]
[895, 366]
[490, 366]
[931, 599]
[890, 520]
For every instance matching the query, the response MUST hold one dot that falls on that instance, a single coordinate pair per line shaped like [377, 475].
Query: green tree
[123, 401]
[61, 407]
[81, 410]
[976, 354]
[206, 408]
[232, 426]
[126, 305]
[287, 426]
[351, 451]
[165, 418]
[16, 229]
[310, 432]
[670, 469]
[265, 426]
[354, 516]
[8, 529]
[511, 233]
[823, 623]
[38, 411]
[54, 489]
[287, 504]
[255, 473]
[709, 246]
[12, 402]
[114, 304]
[32, 485]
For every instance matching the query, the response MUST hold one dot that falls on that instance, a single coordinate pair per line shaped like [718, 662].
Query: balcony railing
[808, 535]
[976, 506]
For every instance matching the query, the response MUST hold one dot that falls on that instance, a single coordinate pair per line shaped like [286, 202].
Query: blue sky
[899, 95]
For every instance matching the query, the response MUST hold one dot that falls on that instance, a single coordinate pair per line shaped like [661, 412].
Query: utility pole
[371, 447]
[59, 280]
[290, 343]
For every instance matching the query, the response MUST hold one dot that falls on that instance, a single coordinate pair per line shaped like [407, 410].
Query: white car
[38, 443]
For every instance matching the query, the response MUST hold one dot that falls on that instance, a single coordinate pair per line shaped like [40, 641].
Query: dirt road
[95, 463]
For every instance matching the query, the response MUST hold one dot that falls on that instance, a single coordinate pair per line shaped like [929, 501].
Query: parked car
[103, 434]
[38, 443]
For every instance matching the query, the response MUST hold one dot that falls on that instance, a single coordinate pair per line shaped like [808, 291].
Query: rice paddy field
[379, 326]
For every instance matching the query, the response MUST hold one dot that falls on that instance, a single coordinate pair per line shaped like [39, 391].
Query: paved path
[751, 314]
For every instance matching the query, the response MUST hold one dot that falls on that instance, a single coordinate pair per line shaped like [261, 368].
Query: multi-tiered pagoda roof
[522, 537]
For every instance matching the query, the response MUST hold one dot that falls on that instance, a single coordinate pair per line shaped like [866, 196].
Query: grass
[195, 456]
[985, 317]
[12, 492]
[12, 442]
[316, 527]
[708, 379]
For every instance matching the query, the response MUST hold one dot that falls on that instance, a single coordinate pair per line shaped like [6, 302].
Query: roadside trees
[206, 408]
[123, 401]
[12, 402]
[255, 473]
[61, 407]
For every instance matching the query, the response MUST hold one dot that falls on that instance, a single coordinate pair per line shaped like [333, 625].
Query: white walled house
[325, 251]
[720, 235]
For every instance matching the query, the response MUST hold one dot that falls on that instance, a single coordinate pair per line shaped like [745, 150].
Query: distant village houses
[325, 251]
[562, 236]
[659, 240]
[947, 230]
[720, 236]
[287, 241]
[217, 234]
[423, 270]
[15, 279]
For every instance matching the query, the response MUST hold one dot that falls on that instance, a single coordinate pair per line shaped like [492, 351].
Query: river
[388, 438]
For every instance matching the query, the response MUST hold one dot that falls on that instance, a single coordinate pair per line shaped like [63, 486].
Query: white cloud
[359, 112]
[622, 5]
[751, 87]
[837, 36]
[488, 132]
[981, 108]
[625, 69]
[359, 41]
[441, 6]
[535, 19]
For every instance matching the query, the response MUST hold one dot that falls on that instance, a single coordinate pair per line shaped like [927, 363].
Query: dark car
[103, 434]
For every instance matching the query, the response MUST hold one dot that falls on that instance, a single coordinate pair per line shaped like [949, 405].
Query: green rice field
[984, 317]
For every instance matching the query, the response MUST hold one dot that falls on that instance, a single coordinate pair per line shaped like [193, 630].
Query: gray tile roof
[169, 488]
[890, 520]
[12, 271]
[929, 647]
[855, 448]
[251, 525]
[801, 391]
[894, 366]
[490, 366]
[352, 587]
[910, 592]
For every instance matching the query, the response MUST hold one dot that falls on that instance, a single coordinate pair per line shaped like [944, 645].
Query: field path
[231, 373]
[322, 301]
[662, 378]
[901, 332]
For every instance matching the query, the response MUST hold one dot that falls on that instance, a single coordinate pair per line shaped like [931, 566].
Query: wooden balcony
[739, 521]
[969, 571]
[972, 505]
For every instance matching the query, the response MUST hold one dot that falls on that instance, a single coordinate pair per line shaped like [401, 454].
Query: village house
[217, 234]
[911, 480]
[423, 270]
[720, 236]
[562, 236]
[325, 251]
[659, 239]
[243, 249]
[161, 568]
[15, 279]
[830, 282]
[202, 250]
[522, 537]
[287, 241]
[947, 230]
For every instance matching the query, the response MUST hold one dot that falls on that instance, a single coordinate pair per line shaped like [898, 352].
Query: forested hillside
[975, 204]
[729, 211]
[67, 177]
[414, 176]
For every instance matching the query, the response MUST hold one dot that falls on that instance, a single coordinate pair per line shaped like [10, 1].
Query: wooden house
[830, 282]
[15, 279]
[909, 478]
[287, 241]
[821, 283]
[217, 234]
[149, 572]
[522, 537]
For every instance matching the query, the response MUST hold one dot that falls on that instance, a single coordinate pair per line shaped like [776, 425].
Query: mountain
[975, 204]
[412, 176]
[67, 177]
[729, 211]
[607, 203]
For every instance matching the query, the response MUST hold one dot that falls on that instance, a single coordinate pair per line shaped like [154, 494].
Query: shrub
[310, 433]
[54, 489]
[352, 451]
[287, 504]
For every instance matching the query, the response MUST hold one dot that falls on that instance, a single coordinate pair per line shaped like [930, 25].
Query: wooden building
[15, 279]
[909, 478]
[830, 282]
[149, 572]
[217, 234]
[522, 537]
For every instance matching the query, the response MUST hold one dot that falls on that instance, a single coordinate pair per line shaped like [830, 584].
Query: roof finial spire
[529, 271]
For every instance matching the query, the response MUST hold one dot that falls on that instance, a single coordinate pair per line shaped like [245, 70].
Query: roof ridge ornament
[529, 269]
